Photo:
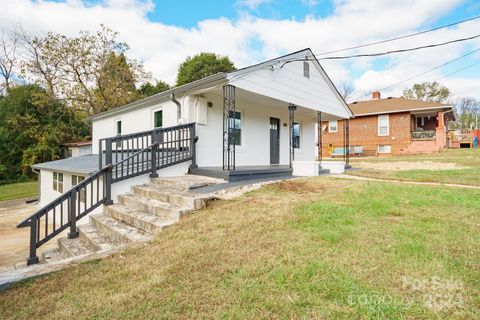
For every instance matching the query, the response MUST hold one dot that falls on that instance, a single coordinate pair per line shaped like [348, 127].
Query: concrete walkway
[451, 185]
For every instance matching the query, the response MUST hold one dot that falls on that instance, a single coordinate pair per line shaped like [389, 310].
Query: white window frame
[379, 120]
[384, 146]
[330, 126]
[301, 134]
[57, 184]
[242, 119]
[76, 179]
[153, 116]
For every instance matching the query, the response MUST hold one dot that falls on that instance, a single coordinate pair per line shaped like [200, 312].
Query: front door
[274, 141]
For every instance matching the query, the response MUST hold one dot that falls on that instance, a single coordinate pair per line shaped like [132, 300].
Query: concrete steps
[137, 217]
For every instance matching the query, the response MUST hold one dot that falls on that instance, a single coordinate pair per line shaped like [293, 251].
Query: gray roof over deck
[84, 164]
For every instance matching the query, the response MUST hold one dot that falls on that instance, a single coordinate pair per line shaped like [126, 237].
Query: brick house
[390, 126]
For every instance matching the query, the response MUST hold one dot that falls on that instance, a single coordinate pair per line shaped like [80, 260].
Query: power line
[457, 71]
[400, 50]
[430, 70]
[384, 53]
[400, 37]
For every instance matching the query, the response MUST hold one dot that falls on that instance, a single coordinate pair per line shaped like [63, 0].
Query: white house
[254, 122]
[257, 122]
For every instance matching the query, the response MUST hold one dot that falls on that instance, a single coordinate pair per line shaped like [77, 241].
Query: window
[158, 119]
[235, 128]
[383, 125]
[70, 152]
[76, 180]
[384, 148]
[333, 126]
[306, 69]
[58, 182]
[296, 135]
[118, 128]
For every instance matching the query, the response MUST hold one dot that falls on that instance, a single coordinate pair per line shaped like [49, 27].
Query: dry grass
[311, 249]
[458, 166]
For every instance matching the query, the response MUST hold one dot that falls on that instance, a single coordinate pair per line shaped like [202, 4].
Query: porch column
[291, 115]
[228, 115]
[319, 135]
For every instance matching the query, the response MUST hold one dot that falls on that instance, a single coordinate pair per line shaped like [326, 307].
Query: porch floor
[244, 172]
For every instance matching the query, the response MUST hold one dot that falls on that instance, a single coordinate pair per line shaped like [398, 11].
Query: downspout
[179, 107]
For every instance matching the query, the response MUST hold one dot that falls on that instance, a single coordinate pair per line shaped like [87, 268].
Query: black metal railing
[423, 135]
[125, 157]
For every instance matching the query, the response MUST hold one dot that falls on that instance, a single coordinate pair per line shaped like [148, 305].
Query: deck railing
[126, 157]
[423, 135]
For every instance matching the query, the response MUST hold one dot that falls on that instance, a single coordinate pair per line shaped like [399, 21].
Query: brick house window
[383, 125]
[384, 148]
[333, 126]
[58, 182]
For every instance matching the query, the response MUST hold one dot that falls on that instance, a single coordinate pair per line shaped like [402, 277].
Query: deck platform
[244, 172]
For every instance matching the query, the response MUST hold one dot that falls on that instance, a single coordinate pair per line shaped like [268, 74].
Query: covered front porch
[262, 137]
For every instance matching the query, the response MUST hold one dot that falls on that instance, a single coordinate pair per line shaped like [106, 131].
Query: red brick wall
[364, 132]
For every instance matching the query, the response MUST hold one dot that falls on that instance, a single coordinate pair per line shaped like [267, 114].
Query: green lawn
[465, 157]
[312, 249]
[18, 190]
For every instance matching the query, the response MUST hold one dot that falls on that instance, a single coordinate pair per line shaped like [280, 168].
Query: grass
[310, 249]
[18, 190]
[464, 157]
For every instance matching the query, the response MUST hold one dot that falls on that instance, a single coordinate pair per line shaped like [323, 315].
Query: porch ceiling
[261, 100]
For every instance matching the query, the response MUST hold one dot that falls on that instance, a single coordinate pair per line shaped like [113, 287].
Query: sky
[162, 33]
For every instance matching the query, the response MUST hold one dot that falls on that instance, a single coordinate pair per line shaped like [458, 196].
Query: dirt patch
[405, 165]
[298, 186]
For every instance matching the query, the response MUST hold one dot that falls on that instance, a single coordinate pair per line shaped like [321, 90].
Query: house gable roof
[224, 78]
[393, 105]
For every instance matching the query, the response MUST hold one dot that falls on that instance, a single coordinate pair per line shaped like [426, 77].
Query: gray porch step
[184, 183]
[72, 247]
[51, 255]
[93, 239]
[156, 207]
[141, 220]
[118, 231]
[179, 198]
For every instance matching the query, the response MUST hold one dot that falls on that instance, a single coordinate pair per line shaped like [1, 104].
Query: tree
[202, 65]
[346, 89]
[90, 72]
[428, 91]
[9, 59]
[32, 127]
[468, 112]
[147, 89]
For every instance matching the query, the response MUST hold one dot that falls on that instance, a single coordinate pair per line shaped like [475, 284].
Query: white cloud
[248, 39]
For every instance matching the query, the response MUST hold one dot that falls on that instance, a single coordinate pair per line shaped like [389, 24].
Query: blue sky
[162, 33]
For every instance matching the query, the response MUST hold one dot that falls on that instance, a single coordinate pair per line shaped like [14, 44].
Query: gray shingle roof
[82, 164]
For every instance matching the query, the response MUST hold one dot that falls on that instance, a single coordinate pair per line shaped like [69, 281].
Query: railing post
[32, 258]
[193, 144]
[100, 155]
[72, 215]
[108, 176]
[154, 173]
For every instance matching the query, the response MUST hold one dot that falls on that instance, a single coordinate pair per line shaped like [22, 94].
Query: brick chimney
[376, 95]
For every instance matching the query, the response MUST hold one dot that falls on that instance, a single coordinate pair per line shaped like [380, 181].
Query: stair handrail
[73, 197]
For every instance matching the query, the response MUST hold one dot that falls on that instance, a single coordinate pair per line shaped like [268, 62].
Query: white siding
[133, 121]
[255, 148]
[290, 85]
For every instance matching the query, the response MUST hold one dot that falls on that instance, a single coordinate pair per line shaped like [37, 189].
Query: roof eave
[162, 96]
